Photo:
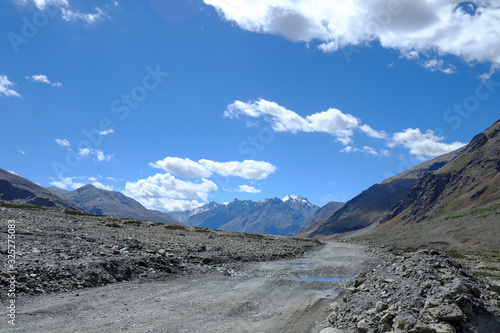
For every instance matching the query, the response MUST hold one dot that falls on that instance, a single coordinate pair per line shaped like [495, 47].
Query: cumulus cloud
[248, 169]
[421, 144]
[182, 167]
[66, 183]
[63, 142]
[99, 154]
[169, 205]
[5, 85]
[445, 27]
[332, 121]
[343, 127]
[102, 186]
[167, 186]
[43, 79]
[248, 189]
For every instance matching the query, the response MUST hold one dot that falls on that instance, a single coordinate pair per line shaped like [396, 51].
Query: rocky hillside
[97, 201]
[374, 203]
[271, 216]
[471, 180]
[21, 191]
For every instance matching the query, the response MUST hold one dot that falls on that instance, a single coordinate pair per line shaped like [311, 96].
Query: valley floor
[255, 297]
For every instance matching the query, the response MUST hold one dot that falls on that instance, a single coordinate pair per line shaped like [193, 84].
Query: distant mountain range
[97, 201]
[274, 216]
[459, 181]
[20, 190]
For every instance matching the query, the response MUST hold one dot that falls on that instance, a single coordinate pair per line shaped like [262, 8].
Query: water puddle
[316, 278]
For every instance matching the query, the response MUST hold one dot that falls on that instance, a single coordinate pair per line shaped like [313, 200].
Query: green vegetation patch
[486, 274]
[72, 212]
[456, 255]
[175, 227]
[21, 206]
[199, 229]
[476, 211]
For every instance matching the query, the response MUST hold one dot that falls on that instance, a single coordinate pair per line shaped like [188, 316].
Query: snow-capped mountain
[270, 216]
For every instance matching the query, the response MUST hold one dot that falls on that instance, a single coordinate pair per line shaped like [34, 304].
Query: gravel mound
[421, 292]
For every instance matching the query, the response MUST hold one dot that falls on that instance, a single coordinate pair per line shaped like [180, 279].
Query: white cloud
[22, 152]
[247, 169]
[102, 186]
[182, 167]
[12, 172]
[366, 150]
[248, 189]
[43, 79]
[106, 132]
[373, 133]
[169, 205]
[422, 144]
[438, 65]
[413, 27]
[342, 126]
[63, 142]
[167, 186]
[66, 183]
[332, 121]
[101, 157]
[112, 179]
[4, 87]
[67, 13]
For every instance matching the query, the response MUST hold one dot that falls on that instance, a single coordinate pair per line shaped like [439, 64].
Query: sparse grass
[308, 240]
[476, 211]
[486, 274]
[136, 223]
[491, 269]
[113, 219]
[72, 212]
[409, 250]
[21, 206]
[174, 227]
[255, 235]
[455, 255]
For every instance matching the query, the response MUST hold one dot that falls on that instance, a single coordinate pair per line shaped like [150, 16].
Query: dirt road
[260, 297]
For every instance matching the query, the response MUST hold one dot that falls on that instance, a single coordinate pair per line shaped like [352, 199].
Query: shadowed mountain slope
[374, 203]
[20, 190]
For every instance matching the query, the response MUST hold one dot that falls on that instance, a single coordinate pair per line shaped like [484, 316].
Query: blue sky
[177, 103]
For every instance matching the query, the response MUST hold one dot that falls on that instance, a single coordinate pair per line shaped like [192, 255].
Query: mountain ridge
[98, 201]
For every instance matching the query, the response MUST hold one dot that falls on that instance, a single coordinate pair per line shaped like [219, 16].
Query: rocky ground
[424, 291]
[57, 252]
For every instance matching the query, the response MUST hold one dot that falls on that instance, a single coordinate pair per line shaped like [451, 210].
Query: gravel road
[254, 297]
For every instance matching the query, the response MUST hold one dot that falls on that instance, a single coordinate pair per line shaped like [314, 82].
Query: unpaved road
[260, 297]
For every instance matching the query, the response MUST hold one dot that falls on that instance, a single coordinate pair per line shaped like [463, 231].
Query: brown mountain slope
[20, 190]
[374, 203]
[471, 180]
